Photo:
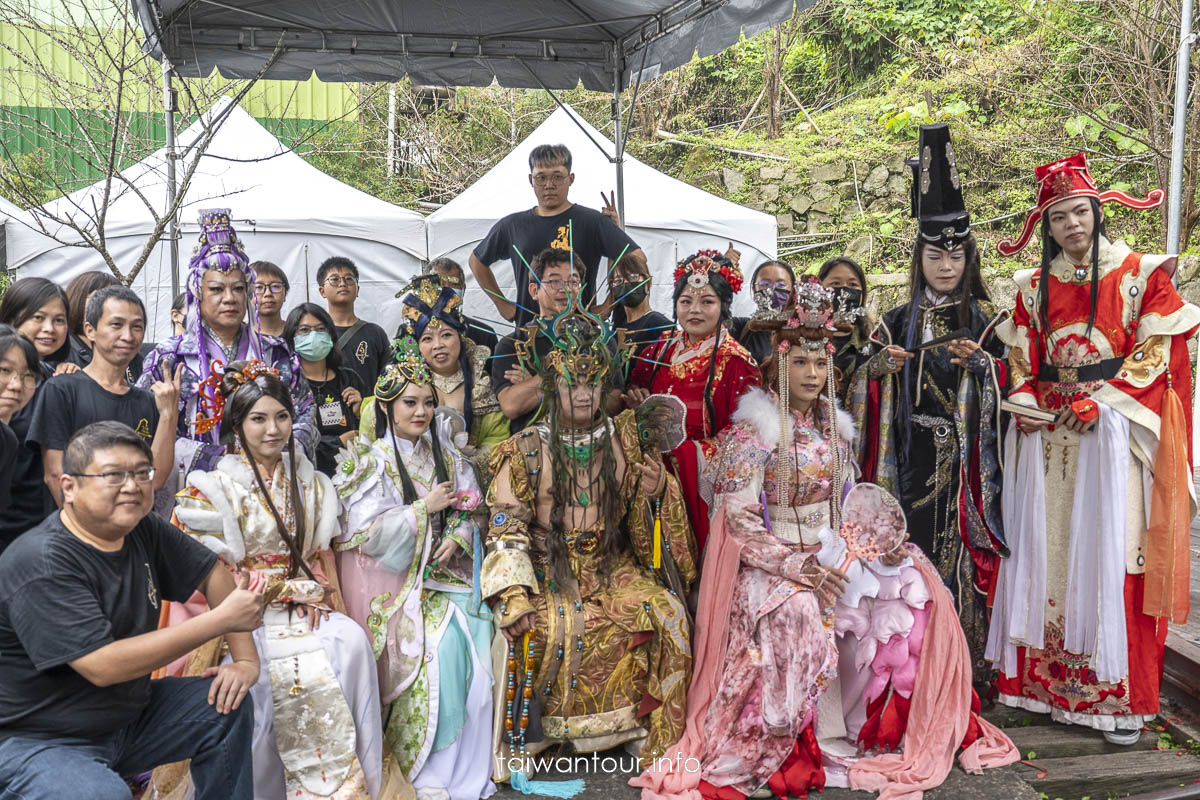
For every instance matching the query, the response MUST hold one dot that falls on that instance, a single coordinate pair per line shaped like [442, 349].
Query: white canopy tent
[285, 210]
[668, 218]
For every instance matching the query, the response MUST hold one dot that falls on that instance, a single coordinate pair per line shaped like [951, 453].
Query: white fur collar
[759, 409]
[236, 467]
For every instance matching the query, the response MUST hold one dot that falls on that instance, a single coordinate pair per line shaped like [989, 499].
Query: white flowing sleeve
[378, 521]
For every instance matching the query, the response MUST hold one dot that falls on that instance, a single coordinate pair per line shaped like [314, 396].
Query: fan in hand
[873, 523]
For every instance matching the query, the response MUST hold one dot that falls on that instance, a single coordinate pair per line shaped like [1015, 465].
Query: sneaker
[1123, 737]
[762, 792]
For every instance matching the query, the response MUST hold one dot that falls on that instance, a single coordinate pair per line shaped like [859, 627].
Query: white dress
[317, 722]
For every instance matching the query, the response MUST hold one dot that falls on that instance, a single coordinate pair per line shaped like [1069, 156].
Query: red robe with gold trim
[1141, 319]
[734, 371]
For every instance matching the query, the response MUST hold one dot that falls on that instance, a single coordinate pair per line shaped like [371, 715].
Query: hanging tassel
[1167, 539]
[476, 568]
[546, 788]
[516, 725]
[657, 540]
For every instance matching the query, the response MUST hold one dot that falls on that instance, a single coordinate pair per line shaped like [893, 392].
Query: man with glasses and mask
[365, 347]
[80, 598]
[554, 222]
[271, 288]
[452, 275]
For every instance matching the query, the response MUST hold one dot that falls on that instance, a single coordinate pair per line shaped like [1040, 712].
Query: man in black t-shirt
[365, 346]
[555, 222]
[115, 321]
[80, 599]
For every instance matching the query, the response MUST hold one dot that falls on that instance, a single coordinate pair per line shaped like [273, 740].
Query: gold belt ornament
[582, 541]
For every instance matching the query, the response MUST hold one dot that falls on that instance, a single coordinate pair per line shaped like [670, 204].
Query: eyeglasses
[142, 475]
[557, 284]
[338, 280]
[303, 329]
[28, 379]
[272, 288]
[772, 285]
[549, 180]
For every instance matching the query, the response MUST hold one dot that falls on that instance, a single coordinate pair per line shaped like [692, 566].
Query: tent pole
[1178, 135]
[391, 131]
[618, 139]
[169, 113]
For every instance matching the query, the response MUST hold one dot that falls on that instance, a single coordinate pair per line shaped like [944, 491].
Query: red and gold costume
[1092, 654]
[734, 371]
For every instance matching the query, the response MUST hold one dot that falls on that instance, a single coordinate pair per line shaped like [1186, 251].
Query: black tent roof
[520, 43]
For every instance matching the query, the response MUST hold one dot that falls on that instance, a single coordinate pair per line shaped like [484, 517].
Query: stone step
[1006, 717]
[1064, 741]
[1112, 774]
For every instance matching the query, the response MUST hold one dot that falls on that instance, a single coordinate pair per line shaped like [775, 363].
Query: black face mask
[847, 298]
[630, 297]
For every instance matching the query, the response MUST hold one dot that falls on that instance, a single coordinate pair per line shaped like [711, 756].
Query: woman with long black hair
[938, 446]
[701, 364]
[1097, 465]
[409, 560]
[265, 509]
[37, 309]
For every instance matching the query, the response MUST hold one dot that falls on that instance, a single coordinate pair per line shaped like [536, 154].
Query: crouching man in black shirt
[80, 596]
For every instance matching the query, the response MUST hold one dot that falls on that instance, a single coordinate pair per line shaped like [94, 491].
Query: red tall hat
[1070, 178]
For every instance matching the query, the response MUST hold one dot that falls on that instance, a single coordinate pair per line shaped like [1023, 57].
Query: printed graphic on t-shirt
[361, 353]
[331, 412]
[151, 589]
[143, 429]
[562, 240]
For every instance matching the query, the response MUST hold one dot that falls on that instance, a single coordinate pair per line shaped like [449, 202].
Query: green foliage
[31, 175]
[906, 121]
[1101, 125]
[866, 32]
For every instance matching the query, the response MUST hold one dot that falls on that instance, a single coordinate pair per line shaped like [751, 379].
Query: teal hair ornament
[406, 367]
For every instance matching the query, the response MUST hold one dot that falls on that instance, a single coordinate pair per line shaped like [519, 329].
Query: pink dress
[767, 705]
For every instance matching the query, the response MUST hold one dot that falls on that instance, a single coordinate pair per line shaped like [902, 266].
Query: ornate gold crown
[582, 351]
[427, 301]
[406, 367]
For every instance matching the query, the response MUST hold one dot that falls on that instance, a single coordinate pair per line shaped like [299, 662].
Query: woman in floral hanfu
[409, 565]
[317, 722]
[767, 712]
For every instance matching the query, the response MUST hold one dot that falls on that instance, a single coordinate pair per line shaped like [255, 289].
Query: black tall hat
[937, 200]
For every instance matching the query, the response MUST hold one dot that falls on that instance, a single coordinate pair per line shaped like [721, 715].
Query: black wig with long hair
[725, 294]
[969, 290]
[383, 422]
[565, 489]
[1050, 251]
[241, 395]
[23, 299]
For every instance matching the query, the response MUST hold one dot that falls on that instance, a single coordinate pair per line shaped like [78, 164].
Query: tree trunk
[772, 83]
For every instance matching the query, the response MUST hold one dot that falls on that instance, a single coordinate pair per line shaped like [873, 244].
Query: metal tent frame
[547, 44]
